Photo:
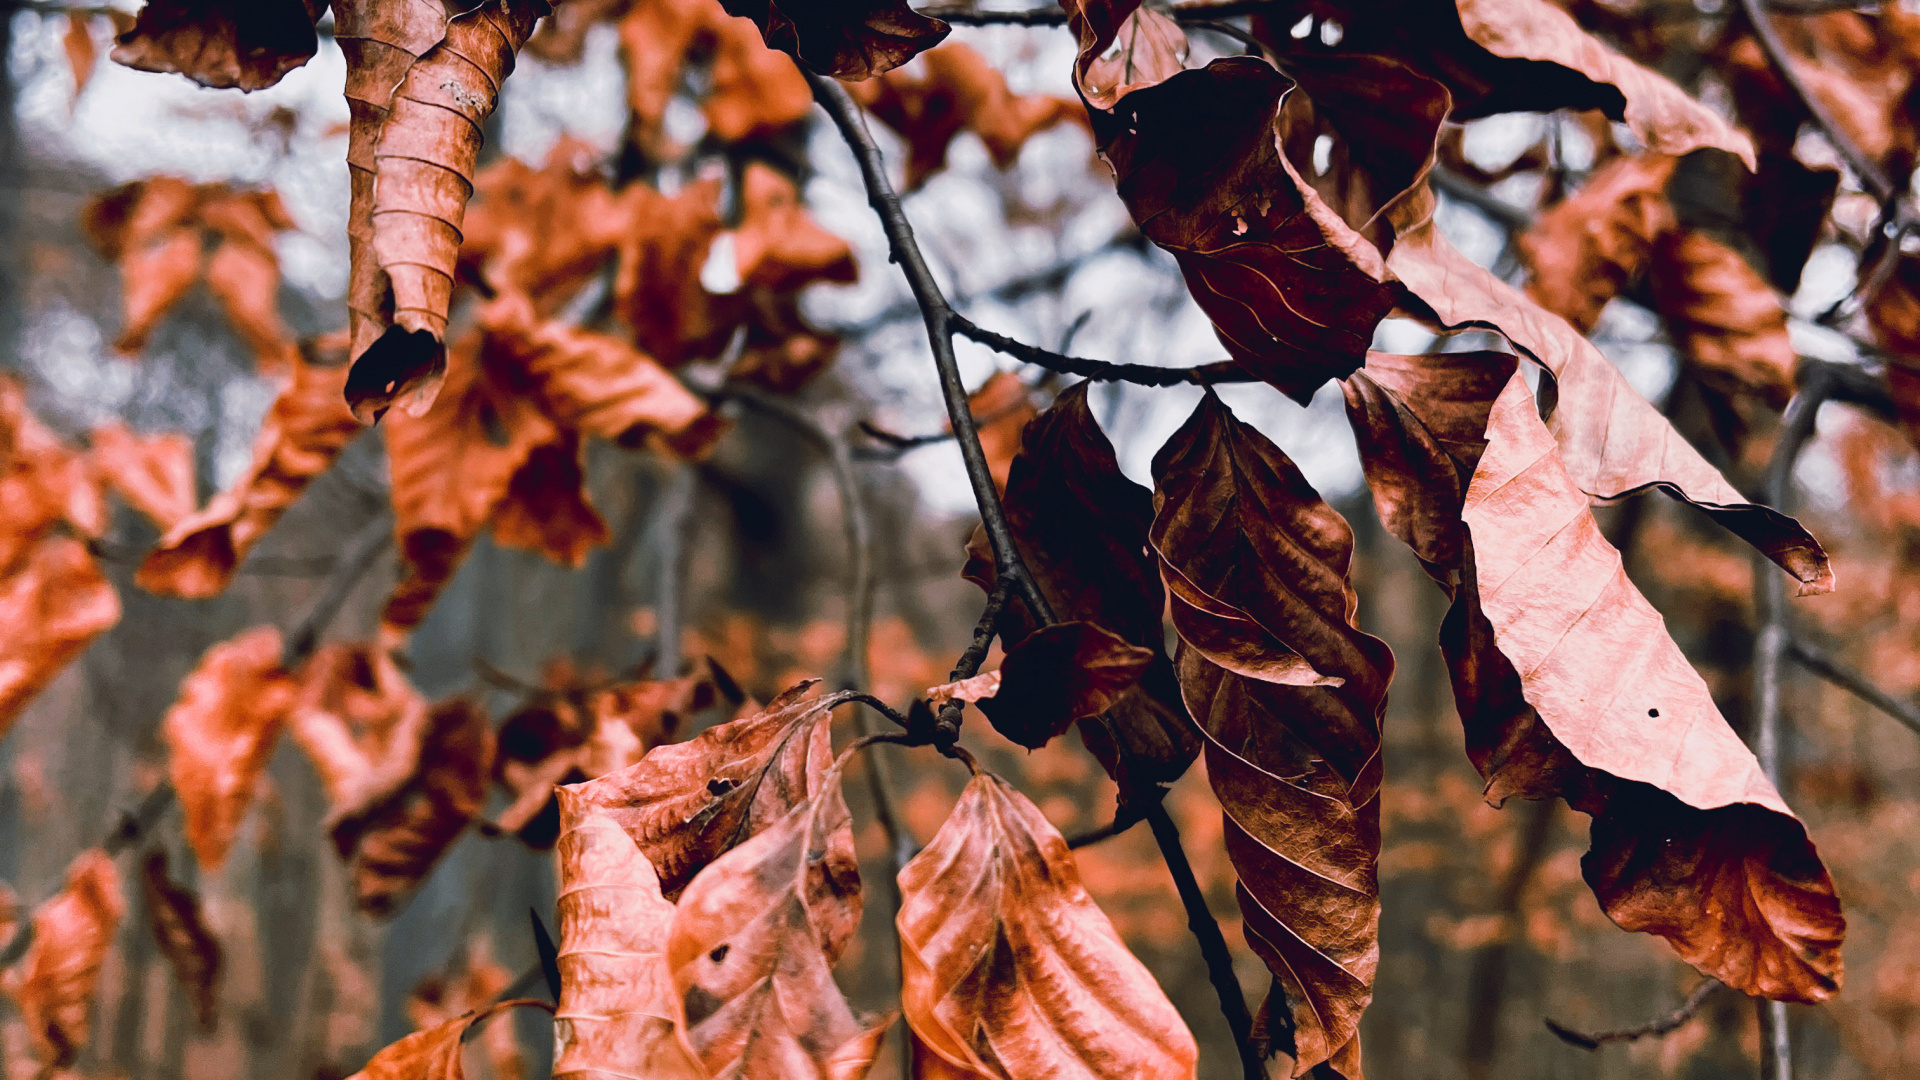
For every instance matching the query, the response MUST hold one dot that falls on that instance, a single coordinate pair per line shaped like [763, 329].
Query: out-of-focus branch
[1818, 662]
[1871, 175]
[1655, 1028]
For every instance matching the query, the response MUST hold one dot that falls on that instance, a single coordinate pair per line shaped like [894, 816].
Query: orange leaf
[82, 56]
[55, 982]
[1589, 247]
[53, 604]
[191, 950]
[361, 724]
[686, 803]
[754, 92]
[396, 845]
[751, 947]
[437, 1000]
[154, 473]
[42, 481]
[1009, 967]
[305, 430]
[618, 1013]
[249, 44]
[221, 732]
[434, 1054]
[854, 39]
[1724, 317]
[542, 232]
[1001, 408]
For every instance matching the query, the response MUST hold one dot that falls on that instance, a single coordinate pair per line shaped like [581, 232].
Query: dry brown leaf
[1894, 315]
[361, 724]
[686, 803]
[438, 999]
[305, 430]
[221, 732]
[1195, 158]
[1724, 317]
[1612, 441]
[1589, 247]
[1293, 719]
[424, 160]
[618, 1013]
[850, 39]
[1060, 674]
[398, 843]
[55, 981]
[752, 943]
[1760, 915]
[173, 913]
[248, 44]
[543, 231]
[971, 689]
[957, 90]
[1010, 969]
[434, 1054]
[53, 604]
[154, 473]
[755, 92]
[1860, 66]
[1082, 528]
[563, 35]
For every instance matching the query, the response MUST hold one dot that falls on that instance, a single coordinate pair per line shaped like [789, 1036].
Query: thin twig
[1223, 371]
[1124, 819]
[1665, 1025]
[1871, 175]
[1818, 662]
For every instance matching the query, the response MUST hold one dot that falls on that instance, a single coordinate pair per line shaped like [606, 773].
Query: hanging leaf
[220, 734]
[1691, 841]
[751, 947]
[544, 232]
[55, 982]
[248, 44]
[304, 432]
[402, 839]
[362, 725]
[1724, 317]
[1060, 674]
[619, 1014]
[173, 913]
[957, 90]
[43, 482]
[754, 92]
[434, 1054]
[154, 473]
[54, 604]
[481, 981]
[1588, 247]
[1293, 759]
[424, 160]
[687, 803]
[854, 39]
[1009, 967]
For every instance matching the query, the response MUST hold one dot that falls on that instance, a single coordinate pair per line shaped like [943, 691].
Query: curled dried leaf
[56, 980]
[755, 92]
[1009, 967]
[43, 482]
[248, 44]
[362, 725]
[173, 913]
[544, 231]
[154, 473]
[434, 1054]
[221, 732]
[1060, 674]
[1587, 248]
[850, 39]
[402, 839]
[305, 431]
[54, 603]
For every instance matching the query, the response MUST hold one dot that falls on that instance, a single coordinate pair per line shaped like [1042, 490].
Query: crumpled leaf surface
[847, 39]
[220, 734]
[1294, 760]
[1712, 859]
[305, 430]
[55, 982]
[244, 44]
[434, 1054]
[751, 947]
[1060, 674]
[1010, 969]
[173, 914]
[1195, 158]
[54, 603]
[687, 803]
[957, 90]
[154, 473]
[1082, 527]
[1586, 248]
[1612, 441]
[619, 1015]
[361, 723]
[402, 839]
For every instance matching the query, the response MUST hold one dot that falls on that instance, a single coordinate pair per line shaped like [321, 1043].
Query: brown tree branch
[1223, 371]
[1818, 662]
[1664, 1025]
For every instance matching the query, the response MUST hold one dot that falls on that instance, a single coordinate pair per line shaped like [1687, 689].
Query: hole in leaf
[1653, 712]
[719, 952]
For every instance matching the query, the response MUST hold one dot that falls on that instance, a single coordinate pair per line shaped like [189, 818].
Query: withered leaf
[543, 231]
[361, 723]
[54, 603]
[305, 430]
[1195, 158]
[1010, 969]
[751, 947]
[1059, 674]
[1294, 759]
[440, 998]
[402, 839]
[248, 44]
[1082, 527]
[1724, 317]
[618, 1013]
[173, 913]
[428, 143]
[755, 92]
[55, 981]
[154, 473]
[1691, 841]
[686, 803]
[847, 39]
[958, 90]
[434, 1054]
[1612, 441]
[220, 734]
[1587, 248]
[43, 482]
